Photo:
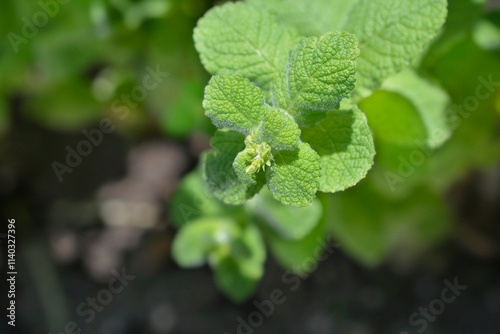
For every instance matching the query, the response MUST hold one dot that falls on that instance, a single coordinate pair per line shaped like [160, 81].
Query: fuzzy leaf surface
[218, 170]
[244, 39]
[294, 176]
[391, 33]
[311, 17]
[233, 102]
[344, 142]
[320, 72]
[279, 130]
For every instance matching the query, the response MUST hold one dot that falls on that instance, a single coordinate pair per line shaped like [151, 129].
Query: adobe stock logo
[90, 308]
[30, 27]
[266, 308]
[436, 307]
[121, 108]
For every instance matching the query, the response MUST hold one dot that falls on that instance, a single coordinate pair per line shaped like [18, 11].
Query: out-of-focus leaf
[301, 255]
[204, 239]
[289, 222]
[371, 227]
[185, 113]
[193, 200]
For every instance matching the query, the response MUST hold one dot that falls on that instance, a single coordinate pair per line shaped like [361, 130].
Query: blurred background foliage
[89, 52]
[120, 206]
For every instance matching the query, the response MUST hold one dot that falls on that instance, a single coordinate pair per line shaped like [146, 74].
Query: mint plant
[291, 83]
[272, 140]
[298, 87]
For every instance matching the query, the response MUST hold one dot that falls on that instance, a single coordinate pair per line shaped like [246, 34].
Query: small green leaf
[193, 200]
[232, 282]
[202, 238]
[244, 39]
[218, 169]
[344, 142]
[391, 33]
[299, 256]
[279, 130]
[289, 222]
[241, 164]
[233, 102]
[294, 176]
[237, 275]
[320, 72]
[251, 261]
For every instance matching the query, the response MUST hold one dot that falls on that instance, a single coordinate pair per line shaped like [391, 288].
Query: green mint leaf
[408, 111]
[391, 33]
[369, 225]
[294, 176]
[320, 72]
[287, 221]
[279, 130]
[244, 39]
[201, 239]
[218, 170]
[311, 17]
[299, 256]
[242, 163]
[344, 142]
[429, 100]
[230, 280]
[250, 252]
[393, 118]
[193, 200]
[238, 274]
[233, 102]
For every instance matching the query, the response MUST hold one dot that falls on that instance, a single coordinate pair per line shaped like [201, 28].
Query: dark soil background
[66, 254]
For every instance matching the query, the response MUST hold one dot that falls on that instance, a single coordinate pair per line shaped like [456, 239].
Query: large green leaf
[244, 39]
[345, 144]
[311, 17]
[233, 102]
[371, 227]
[391, 33]
[393, 118]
